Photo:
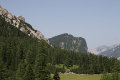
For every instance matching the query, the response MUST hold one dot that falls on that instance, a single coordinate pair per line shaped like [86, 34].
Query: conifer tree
[21, 70]
[29, 57]
[106, 76]
[3, 73]
[115, 76]
[41, 72]
[29, 75]
[56, 76]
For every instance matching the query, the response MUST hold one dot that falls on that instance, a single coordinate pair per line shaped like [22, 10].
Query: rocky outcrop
[21, 18]
[113, 51]
[99, 49]
[67, 41]
[109, 51]
[20, 23]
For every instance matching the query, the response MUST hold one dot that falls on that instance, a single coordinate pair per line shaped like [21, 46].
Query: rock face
[21, 18]
[20, 23]
[67, 41]
[110, 51]
[113, 51]
[99, 50]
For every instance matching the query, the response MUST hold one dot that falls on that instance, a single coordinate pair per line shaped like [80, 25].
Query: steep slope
[18, 51]
[19, 22]
[67, 41]
[23, 57]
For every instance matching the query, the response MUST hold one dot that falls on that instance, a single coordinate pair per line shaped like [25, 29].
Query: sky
[98, 21]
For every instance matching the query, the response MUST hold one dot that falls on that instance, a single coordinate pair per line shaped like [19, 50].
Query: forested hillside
[23, 57]
[18, 53]
[68, 41]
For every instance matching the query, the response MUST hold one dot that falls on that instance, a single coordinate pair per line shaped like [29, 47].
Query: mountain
[21, 51]
[113, 51]
[99, 50]
[68, 41]
[20, 23]
[110, 51]
[26, 57]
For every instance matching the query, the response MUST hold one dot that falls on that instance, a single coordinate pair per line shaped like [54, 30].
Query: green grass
[79, 77]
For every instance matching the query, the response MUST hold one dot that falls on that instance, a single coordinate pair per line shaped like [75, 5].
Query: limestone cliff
[68, 41]
[21, 24]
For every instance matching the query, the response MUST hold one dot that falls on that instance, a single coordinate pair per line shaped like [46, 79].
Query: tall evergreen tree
[106, 76]
[112, 76]
[115, 76]
[30, 57]
[3, 72]
[21, 70]
[41, 72]
[56, 76]
[29, 75]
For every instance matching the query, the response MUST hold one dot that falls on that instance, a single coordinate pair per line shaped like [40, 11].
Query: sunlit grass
[79, 77]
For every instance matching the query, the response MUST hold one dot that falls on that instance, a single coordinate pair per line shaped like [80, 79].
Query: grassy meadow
[79, 77]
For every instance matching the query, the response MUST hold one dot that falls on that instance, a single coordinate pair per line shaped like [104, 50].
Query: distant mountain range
[65, 41]
[99, 49]
[25, 52]
[68, 41]
[110, 51]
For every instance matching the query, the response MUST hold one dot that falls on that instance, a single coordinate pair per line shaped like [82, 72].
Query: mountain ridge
[110, 51]
[99, 49]
[68, 41]
[20, 23]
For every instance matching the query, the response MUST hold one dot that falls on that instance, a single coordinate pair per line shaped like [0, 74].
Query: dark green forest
[26, 58]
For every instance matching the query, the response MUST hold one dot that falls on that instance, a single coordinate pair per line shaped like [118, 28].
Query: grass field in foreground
[79, 77]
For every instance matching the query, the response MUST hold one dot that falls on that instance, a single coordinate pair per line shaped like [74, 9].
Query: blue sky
[98, 21]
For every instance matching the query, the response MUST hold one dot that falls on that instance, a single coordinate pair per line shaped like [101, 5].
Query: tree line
[26, 58]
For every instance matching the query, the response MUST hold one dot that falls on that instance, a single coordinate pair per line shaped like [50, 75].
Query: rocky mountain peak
[69, 42]
[110, 51]
[99, 49]
[20, 23]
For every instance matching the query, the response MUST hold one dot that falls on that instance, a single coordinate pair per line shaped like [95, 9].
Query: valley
[26, 54]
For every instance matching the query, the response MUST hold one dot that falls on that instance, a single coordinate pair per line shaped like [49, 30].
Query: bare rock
[21, 18]
[23, 26]
[10, 16]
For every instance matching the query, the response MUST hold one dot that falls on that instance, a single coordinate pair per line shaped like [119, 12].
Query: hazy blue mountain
[110, 51]
[68, 41]
[113, 51]
[99, 50]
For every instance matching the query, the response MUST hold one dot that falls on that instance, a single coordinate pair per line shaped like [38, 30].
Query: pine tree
[29, 75]
[21, 70]
[41, 72]
[68, 62]
[56, 76]
[115, 76]
[29, 57]
[106, 76]
[116, 66]
[3, 73]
